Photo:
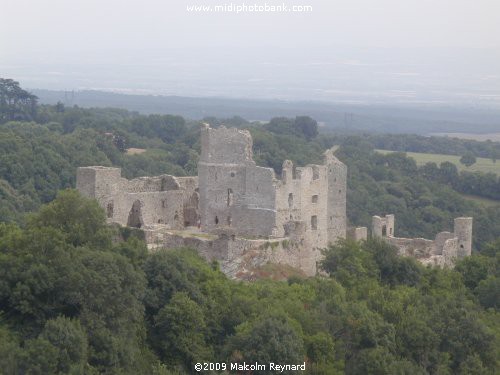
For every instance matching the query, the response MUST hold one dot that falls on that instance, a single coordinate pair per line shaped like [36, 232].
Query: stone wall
[418, 248]
[442, 251]
[358, 233]
[240, 257]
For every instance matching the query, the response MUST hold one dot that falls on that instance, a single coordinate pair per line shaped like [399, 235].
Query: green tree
[488, 292]
[306, 126]
[474, 269]
[70, 339]
[180, 328]
[379, 361]
[270, 339]
[16, 103]
[468, 159]
[10, 352]
[81, 219]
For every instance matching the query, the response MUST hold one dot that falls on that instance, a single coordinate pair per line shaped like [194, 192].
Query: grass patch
[188, 234]
[135, 151]
[482, 201]
[277, 272]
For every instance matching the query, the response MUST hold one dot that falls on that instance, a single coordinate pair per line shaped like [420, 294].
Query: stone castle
[244, 215]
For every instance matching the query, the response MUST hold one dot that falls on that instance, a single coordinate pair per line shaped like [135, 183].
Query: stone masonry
[244, 215]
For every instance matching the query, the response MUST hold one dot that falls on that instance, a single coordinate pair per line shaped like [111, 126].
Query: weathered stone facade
[244, 215]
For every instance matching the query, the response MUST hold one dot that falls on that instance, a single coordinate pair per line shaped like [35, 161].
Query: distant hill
[347, 117]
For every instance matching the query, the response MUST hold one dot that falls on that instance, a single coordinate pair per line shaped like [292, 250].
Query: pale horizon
[357, 51]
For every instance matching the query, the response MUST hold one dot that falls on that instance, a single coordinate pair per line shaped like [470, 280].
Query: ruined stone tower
[252, 201]
[337, 197]
[234, 192]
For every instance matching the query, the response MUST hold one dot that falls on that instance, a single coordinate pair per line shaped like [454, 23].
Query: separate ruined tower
[463, 231]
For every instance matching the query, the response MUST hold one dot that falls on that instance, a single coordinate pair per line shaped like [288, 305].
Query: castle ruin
[234, 211]
[243, 215]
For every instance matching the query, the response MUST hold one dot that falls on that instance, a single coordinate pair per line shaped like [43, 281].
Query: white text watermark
[248, 8]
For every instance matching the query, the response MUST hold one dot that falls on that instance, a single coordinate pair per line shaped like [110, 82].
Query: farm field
[482, 165]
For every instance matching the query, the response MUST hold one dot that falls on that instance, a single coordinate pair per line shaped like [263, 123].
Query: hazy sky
[55, 36]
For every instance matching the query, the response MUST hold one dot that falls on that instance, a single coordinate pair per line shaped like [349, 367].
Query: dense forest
[80, 297]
